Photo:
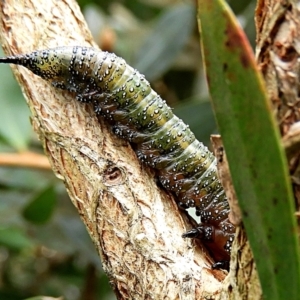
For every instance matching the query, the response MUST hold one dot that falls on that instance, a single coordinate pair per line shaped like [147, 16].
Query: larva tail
[43, 63]
[16, 60]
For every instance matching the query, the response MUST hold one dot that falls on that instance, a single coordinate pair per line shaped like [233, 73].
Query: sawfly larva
[162, 141]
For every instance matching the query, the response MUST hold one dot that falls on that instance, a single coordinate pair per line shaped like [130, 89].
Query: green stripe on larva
[124, 97]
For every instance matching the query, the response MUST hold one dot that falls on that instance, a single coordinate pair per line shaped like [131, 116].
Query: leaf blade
[251, 139]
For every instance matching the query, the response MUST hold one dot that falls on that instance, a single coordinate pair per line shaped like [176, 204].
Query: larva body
[123, 96]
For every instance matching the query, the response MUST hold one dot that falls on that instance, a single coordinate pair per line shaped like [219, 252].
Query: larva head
[51, 64]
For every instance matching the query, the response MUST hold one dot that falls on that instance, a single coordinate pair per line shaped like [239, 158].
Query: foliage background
[44, 247]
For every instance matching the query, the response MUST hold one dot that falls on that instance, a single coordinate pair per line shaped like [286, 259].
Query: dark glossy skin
[124, 97]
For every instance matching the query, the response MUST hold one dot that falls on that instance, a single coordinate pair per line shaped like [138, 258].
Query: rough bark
[135, 226]
[278, 53]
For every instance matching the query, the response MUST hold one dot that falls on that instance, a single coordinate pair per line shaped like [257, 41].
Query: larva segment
[124, 97]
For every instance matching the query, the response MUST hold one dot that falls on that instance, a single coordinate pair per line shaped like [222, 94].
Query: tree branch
[277, 25]
[278, 53]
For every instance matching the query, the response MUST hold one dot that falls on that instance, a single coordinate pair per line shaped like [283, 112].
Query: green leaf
[40, 209]
[256, 159]
[14, 238]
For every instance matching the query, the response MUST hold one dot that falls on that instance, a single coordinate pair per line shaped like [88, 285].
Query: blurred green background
[44, 247]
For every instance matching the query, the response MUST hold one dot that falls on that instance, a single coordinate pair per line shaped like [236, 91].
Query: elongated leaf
[252, 143]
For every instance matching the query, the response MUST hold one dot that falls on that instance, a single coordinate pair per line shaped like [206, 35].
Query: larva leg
[222, 264]
[202, 232]
[125, 132]
[216, 240]
[182, 206]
